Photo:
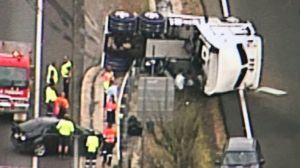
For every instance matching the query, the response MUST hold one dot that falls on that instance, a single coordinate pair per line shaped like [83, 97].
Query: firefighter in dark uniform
[50, 97]
[65, 71]
[92, 144]
[65, 128]
[52, 74]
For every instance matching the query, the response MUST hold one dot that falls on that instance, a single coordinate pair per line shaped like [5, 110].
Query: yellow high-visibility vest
[50, 94]
[65, 127]
[55, 77]
[92, 143]
[64, 69]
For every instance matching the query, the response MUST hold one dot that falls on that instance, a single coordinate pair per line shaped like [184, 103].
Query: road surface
[18, 24]
[275, 120]
[57, 31]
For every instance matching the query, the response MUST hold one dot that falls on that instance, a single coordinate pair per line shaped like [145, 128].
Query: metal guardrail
[245, 114]
[119, 105]
[225, 8]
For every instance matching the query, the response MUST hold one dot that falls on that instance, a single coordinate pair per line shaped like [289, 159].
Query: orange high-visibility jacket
[109, 135]
[62, 102]
[110, 106]
[107, 76]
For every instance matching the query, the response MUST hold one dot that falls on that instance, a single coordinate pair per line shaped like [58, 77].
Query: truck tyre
[122, 22]
[39, 149]
[151, 24]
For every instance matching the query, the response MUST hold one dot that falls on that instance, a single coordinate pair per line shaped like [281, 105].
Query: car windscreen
[36, 124]
[13, 77]
[240, 158]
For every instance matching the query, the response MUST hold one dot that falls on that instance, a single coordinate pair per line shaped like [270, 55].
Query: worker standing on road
[50, 97]
[92, 144]
[61, 105]
[65, 128]
[52, 74]
[65, 71]
[110, 108]
[109, 141]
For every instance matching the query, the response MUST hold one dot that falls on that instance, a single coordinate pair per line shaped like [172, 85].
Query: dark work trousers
[62, 112]
[105, 97]
[111, 116]
[106, 151]
[66, 83]
[90, 160]
[50, 107]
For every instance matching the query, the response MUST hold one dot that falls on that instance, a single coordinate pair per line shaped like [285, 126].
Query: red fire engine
[15, 79]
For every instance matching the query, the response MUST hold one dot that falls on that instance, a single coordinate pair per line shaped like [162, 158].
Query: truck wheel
[39, 149]
[122, 22]
[151, 24]
[20, 117]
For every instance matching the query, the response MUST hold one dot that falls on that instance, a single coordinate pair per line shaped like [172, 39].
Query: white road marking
[225, 8]
[245, 114]
[38, 57]
[76, 153]
[271, 91]
[34, 162]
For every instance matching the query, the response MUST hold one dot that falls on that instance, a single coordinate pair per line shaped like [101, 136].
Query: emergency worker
[50, 97]
[107, 76]
[52, 74]
[65, 71]
[110, 108]
[109, 141]
[61, 105]
[112, 90]
[92, 145]
[65, 128]
[180, 80]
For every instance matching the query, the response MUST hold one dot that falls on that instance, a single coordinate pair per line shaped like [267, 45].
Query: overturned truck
[228, 50]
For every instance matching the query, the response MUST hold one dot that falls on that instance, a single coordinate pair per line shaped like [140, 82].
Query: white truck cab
[231, 55]
[229, 51]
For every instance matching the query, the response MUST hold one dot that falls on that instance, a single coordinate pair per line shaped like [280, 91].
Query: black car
[39, 136]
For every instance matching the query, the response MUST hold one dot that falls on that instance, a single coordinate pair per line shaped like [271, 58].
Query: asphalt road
[17, 20]
[57, 31]
[275, 120]
[16, 24]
